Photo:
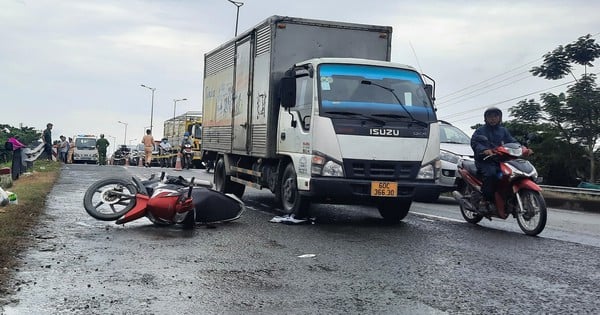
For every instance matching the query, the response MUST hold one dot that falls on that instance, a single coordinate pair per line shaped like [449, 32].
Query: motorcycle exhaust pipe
[462, 201]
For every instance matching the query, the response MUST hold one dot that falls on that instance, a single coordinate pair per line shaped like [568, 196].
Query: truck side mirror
[287, 92]
[429, 90]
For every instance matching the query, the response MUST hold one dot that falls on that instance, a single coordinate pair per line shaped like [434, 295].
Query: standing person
[101, 145]
[16, 167]
[165, 148]
[487, 137]
[63, 149]
[185, 160]
[71, 151]
[47, 138]
[148, 142]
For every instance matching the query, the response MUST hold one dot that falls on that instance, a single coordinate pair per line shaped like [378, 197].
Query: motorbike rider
[165, 148]
[494, 135]
[186, 141]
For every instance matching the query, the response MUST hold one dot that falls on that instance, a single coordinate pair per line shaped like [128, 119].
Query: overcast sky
[79, 63]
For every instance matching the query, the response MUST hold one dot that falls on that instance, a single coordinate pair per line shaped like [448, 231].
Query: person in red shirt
[17, 167]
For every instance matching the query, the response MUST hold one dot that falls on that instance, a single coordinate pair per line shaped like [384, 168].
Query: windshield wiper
[372, 119]
[411, 118]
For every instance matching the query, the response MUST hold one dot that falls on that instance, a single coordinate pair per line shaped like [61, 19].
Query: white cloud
[80, 64]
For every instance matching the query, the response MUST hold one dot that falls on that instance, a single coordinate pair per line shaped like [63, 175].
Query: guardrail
[571, 190]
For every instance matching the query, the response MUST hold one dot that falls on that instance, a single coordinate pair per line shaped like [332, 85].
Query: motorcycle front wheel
[110, 198]
[532, 218]
[469, 216]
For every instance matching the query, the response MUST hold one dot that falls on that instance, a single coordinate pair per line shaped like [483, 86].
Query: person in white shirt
[165, 148]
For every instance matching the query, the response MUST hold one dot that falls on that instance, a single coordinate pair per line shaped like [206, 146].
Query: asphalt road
[347, 262]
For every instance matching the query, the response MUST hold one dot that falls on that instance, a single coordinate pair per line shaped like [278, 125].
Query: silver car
[454, 145]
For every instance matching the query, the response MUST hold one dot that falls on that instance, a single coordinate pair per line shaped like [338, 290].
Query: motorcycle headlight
[514, 151]
[324, 166]
[449, 157]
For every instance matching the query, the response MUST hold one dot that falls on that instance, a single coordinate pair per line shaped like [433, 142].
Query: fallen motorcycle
[516, 193]
[164, 200]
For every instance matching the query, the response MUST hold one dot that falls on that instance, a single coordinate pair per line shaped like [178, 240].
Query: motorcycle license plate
[384, 189]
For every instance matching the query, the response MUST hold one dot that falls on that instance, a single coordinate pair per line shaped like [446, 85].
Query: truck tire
[291, 200]
[223, 182]
[393, 211]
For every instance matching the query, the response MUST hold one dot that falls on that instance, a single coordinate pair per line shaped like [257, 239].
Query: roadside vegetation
[18, 220]
[563, 129]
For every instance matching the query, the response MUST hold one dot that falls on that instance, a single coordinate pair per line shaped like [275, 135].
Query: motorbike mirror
[162, 176]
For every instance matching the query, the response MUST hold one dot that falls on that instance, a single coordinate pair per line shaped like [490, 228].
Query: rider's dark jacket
[496, 136]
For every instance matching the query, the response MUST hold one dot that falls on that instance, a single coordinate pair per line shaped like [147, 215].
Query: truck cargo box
[241, 103]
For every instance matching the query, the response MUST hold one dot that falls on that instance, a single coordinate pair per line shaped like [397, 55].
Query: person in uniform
[102, 144]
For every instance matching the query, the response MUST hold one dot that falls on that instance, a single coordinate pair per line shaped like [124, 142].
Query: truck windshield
[85, 143]
[343, 88]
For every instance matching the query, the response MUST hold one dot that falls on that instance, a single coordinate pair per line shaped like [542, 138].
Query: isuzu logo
[384, 132]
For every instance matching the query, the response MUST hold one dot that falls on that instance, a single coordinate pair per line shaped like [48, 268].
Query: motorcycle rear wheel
[469, 216]
[532, 219]
[110, 198]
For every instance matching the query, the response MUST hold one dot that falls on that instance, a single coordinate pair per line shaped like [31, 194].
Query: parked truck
[315, 112]
[189, 123]
[85, 150]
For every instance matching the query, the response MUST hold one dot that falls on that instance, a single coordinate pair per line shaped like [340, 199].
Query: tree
[27, 135]
[576, 114]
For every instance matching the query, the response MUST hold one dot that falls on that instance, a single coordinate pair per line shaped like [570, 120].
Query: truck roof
[296, 20]
[184, 116]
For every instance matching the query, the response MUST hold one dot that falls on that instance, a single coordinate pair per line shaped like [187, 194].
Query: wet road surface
[428, 264]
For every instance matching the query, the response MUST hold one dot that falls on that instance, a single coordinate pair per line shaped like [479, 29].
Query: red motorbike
[187, 156]
[164, 201]
[516, 194]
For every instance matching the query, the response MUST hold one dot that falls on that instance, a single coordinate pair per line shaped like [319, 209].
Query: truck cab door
[242, 96]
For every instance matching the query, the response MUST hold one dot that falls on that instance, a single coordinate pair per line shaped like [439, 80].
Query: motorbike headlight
[515, 151]
[324, 166]
[449, 157]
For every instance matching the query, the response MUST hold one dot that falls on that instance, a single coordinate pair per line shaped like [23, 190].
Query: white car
[454, 145]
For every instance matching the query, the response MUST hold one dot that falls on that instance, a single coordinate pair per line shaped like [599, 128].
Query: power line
[486, 88]
[489, 79]
[505, 101]
[486, 81]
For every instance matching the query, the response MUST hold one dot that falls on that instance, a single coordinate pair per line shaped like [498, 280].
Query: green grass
[17, 220]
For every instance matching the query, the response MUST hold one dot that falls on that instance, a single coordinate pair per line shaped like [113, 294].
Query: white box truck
[85, 150]
[315, 112]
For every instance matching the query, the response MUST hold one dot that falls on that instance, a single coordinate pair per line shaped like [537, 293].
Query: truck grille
[386, 170]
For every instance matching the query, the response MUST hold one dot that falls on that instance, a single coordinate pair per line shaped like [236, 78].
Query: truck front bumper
[356, 191]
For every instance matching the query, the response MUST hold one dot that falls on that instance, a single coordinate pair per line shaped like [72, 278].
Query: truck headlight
[325, 166]
[430, 171]
[332, 169]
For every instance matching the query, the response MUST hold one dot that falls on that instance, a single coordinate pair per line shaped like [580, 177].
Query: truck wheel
[223, 182]
[393, 211]
[291, 200]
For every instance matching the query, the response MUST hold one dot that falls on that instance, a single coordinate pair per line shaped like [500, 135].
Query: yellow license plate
[384, 189]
